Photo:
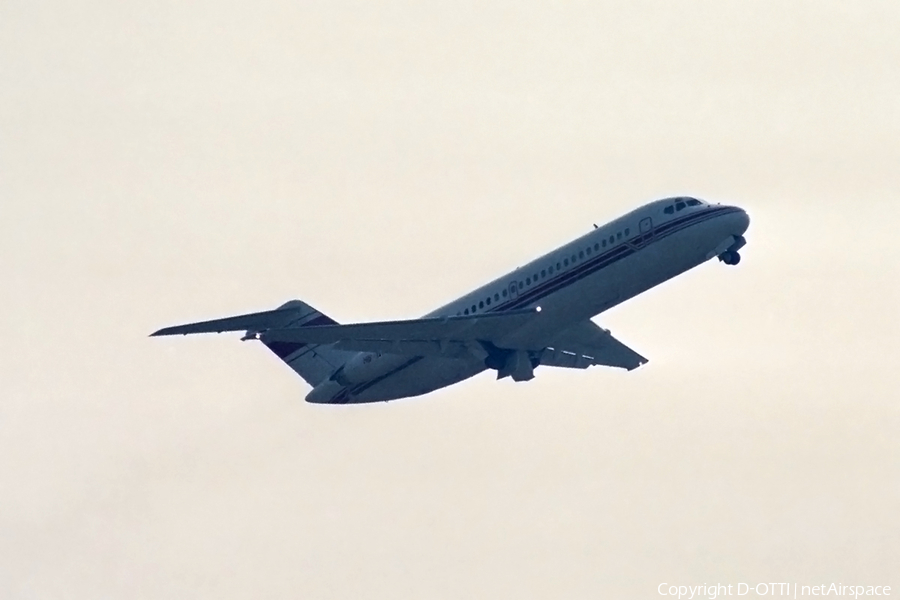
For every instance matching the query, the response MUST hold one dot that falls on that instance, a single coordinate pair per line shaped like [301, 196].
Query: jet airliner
[538, 315]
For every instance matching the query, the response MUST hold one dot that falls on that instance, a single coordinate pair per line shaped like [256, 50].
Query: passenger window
[489, 301]
[604, 243]
[496, 297]
[481, 304]
[473, 308]
[679, 205]
[588, 250]
[596, 247]
[581, 254]
[612, 239]
[543, 273]
[573, 259]
[619, 235]
[521, 285]
[528, 281]
[627, 231]
[669, 210]
[550, 270]
[558, 267]
[504, 293]
[566, 262]
[466, 311]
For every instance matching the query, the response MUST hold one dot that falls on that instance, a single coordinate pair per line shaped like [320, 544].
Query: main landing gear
[730, 257]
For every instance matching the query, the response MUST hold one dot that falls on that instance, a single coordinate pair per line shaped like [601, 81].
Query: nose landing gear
[730, 257]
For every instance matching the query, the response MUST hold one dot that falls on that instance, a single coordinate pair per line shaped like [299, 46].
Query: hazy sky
[162, 163]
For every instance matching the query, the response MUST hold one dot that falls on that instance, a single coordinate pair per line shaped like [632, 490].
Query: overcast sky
[162, 163]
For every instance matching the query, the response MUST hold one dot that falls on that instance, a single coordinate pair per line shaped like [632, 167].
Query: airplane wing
[579, 347]
[587, 344]
[440, 336]
[444, 336]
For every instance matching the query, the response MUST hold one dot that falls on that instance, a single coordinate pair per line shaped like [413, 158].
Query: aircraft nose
[743, 220]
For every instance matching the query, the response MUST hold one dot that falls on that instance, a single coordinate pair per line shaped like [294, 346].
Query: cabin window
[473, 308]
[619, 235]
[496, 297]
[604, 243]
[566, 262]
[504, 293]
[627, 231]
[481, 304]
[669, 210]
[612, 239]
[521, 285]
[581, 254]
[543, 273]
[558, 266]
[528, 281]
[550, 270]
[596, 247]
[488, 301]
[466, 311]
[588, 250]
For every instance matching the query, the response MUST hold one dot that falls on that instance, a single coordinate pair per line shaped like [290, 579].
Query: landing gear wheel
[730, 257]
[735, 258]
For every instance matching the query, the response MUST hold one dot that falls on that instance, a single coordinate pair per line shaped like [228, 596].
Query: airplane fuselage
[575, 282]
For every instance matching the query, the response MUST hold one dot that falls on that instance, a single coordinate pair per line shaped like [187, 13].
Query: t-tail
[313, 362]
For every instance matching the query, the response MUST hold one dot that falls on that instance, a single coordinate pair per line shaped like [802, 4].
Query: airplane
[538, 315]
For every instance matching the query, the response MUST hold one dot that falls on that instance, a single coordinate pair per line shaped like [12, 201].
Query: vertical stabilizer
[313, 362]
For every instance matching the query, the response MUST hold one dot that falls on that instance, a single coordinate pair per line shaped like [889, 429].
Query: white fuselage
[573, 283]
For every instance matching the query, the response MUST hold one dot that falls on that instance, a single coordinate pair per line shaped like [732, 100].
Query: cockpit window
[694, 202]
[669, 210]
[679, 205]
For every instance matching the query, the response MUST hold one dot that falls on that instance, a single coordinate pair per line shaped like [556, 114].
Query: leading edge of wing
[431, 329]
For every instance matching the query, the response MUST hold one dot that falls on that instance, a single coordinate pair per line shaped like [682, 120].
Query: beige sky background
[161, 163]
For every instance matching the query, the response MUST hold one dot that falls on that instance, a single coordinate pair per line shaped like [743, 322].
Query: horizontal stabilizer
[252, 321]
